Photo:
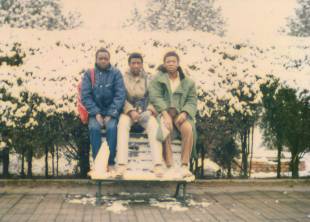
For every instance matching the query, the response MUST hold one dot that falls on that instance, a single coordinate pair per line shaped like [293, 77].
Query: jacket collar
[103, 70]
[142, 74]
[164, 78]
[162, 69]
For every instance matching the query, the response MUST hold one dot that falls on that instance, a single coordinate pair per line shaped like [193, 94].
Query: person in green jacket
[174, 97]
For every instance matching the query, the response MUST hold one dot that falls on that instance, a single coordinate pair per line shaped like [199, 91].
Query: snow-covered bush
[178, 15]
[38, 14]
[228, 74]
[299, 24]
[13, 56]
[2, 145]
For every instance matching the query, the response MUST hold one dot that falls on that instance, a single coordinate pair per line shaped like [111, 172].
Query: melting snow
[117, 206]
[173, 206]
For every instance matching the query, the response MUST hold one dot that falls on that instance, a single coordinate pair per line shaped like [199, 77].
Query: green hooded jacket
[183, 99]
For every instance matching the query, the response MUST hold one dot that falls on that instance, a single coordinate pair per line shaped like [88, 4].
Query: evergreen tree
[177, 15]
[299, 25]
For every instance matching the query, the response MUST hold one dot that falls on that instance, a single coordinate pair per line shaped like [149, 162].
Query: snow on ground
[38, 165]
[117, 206]
[173, 206]
[119, 203]
[261, 153]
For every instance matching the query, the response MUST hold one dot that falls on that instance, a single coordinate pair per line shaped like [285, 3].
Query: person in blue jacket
[104, 102]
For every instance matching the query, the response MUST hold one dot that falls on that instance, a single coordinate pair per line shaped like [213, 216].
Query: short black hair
[102, 50]
[171, 53]
[135, 55]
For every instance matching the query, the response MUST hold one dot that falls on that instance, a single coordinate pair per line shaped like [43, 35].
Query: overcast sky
[245, 18]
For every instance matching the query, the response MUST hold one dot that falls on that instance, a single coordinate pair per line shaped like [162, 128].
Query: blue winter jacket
[108, 95]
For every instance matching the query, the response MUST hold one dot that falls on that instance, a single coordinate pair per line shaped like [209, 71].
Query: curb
[208, 182]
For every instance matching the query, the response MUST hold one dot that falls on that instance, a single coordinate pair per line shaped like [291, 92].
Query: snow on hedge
[52, 63]
[38, 14]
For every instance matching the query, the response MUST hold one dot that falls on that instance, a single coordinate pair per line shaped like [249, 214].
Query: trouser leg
[156, 146]
[111, 131]
[123, 130]
[94, 135]
[187, 141]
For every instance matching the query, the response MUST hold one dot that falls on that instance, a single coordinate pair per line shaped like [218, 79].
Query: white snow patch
[204, 203]
[118, 206]
[84, 200]
[173, 206]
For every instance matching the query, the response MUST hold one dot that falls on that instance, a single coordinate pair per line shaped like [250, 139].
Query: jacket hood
[162, 69]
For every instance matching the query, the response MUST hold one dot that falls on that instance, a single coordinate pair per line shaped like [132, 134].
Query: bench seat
[140, 167]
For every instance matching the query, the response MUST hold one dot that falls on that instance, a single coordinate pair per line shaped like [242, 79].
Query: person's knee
[94, 125]
[111, 126]
[124, 122]
[152, 123]
[186, 128]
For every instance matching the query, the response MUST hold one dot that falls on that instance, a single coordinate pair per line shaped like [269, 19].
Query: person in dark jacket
[104, 102]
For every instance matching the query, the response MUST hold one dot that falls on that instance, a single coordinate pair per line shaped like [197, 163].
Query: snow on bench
[140, 163]
[140, 166]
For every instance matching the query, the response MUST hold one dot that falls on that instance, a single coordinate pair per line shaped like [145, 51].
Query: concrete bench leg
[98, 193]
[180, 187]
[177, 191]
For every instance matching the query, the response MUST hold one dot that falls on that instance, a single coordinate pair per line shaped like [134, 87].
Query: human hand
[168, 121]
[134, 115]
[100, 119]
[181, 118]
[107, 119]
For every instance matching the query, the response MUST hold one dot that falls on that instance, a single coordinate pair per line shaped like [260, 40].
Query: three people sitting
[164, 106]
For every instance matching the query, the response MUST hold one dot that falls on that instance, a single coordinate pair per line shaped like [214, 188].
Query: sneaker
[111, 168]
[90, 173]
[158, 170]
[185, 172]
[171, 174]
[120, 170]
[100, 175]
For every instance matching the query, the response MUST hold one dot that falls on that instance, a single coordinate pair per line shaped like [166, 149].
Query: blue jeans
[95, 136]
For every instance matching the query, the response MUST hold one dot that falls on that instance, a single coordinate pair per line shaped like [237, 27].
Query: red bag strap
[92, 76]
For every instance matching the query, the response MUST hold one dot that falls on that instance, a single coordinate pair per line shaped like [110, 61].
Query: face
[135, 66]
[103, 60]
[171, 64]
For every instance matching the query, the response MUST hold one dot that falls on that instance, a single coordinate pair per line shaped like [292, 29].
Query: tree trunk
[46, 161]
[53, 159]
[84, 159]
[295, 166]
[244, 164]
[202, 162]
[5, 161]
[251, 144]
[196, 166]
[57, 159]
[29, 163]
[191, 164]
[22, 172]
[279, 147]
[229, 171]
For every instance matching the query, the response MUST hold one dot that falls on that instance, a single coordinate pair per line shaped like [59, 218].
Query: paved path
[204, 203]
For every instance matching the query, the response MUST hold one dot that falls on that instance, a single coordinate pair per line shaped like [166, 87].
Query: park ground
[211, 200]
